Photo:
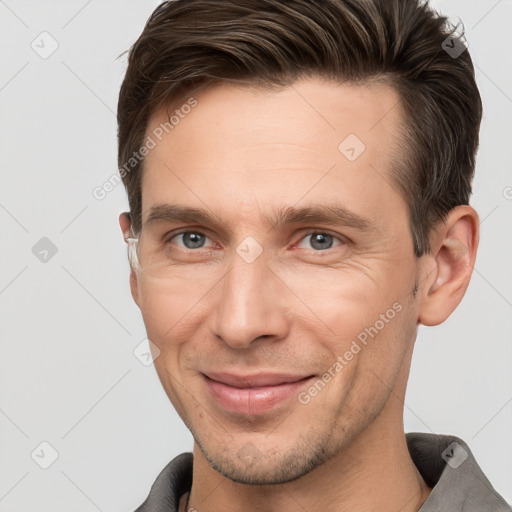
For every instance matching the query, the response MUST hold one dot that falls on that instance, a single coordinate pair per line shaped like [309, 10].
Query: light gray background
[68, 375]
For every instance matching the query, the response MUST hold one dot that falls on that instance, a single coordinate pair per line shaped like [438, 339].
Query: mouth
[255, 394]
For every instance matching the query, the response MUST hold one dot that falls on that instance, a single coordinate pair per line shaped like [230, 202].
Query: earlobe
[454, 252]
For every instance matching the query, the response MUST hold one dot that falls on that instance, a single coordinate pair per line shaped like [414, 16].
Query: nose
[253, 303]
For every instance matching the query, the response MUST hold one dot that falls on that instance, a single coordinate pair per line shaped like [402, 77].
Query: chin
[252, 464]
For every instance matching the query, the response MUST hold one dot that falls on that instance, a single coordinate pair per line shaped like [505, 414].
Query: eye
[320, 240]
[191, 239]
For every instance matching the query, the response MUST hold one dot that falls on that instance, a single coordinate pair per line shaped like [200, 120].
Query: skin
[240, 153]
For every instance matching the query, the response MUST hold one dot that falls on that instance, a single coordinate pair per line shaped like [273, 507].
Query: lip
[252, 394]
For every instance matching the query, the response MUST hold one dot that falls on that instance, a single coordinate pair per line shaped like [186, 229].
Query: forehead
[312, 111]
[244, 146]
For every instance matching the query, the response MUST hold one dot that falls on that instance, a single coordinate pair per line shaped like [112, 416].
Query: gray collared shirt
[445, 463]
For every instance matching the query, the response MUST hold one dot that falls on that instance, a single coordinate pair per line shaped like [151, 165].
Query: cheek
[344, 302]
[167, 306]
[172, 319]
[161, 315]
[371, 361]
[369, 328]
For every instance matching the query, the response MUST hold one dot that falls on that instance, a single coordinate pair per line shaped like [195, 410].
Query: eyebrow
[331, 214]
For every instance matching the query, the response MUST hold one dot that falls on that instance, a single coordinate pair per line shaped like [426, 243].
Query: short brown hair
[188, 44]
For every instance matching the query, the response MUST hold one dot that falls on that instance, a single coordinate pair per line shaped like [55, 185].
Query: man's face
[245, 297]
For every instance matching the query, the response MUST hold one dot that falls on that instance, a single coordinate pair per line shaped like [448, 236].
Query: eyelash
[344, 240]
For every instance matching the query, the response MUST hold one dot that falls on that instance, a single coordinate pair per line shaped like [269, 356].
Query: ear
[449, 267]
[125, 223]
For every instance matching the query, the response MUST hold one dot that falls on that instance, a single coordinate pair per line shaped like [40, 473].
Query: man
[298, 175]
